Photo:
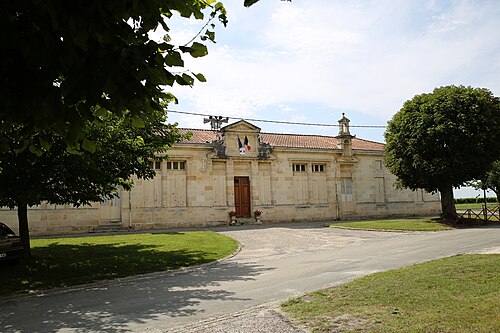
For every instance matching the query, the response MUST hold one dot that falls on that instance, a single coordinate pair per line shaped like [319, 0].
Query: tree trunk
[447, 203]
[22, 215]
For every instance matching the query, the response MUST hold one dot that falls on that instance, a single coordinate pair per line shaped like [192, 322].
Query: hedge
[475, 200]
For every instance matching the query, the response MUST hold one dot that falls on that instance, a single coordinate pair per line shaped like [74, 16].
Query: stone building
[288, 177]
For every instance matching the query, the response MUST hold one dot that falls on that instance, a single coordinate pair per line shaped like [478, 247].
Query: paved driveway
[275, 263]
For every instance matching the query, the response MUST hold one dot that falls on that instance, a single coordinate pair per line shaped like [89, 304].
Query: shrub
[474, 200]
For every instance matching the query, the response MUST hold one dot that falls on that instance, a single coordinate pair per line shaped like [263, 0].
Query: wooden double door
[242, 196]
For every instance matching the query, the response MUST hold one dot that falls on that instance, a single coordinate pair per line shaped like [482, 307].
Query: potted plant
[257, 213]
[232, 216]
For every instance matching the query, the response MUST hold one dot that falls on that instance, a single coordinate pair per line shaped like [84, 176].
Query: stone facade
[287, 177]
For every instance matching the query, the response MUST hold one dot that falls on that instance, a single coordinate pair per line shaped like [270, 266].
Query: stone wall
[195, 188]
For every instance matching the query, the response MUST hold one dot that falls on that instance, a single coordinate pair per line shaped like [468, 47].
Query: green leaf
[23, 145]
[198, 50]
[188, 79]
[89, 145]
[174, 59]
[100, 111]
[248, 3]
[138, 122]
[210, 35]
[73, 150]
[184, 80]
[185, 49]
[35, 150]
[45, 142]
[200, 77]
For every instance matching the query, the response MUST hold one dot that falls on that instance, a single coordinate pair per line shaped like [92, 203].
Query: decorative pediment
[241, 126]
[241, 140]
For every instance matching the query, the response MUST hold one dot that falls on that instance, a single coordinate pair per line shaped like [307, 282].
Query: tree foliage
[63, 59]
[443, 139]
[57, 176]
[80, 177]
[83, 89]
[490, 181]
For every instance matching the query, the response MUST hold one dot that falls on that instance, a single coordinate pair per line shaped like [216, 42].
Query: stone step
[245, 220]
[112, 226]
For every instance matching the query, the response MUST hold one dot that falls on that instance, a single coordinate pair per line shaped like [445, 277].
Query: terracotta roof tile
[199, 136]
[362, 144]
[290, 140]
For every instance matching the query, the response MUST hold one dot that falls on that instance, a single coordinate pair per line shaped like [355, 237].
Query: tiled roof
[198, 135]
[300, 141]
[290, 140]
[362, 144]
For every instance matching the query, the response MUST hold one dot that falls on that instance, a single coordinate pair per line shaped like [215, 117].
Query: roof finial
[344, 125]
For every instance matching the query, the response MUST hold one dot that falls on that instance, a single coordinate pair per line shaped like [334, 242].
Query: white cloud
[367, 57]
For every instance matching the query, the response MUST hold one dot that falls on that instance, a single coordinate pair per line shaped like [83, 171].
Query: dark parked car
[11, 247]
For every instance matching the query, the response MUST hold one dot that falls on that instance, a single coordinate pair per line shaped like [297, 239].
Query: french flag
[240, 145]
[246, 143]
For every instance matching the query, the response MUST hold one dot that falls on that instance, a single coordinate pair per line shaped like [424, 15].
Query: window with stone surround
[318, 167]
[156, 165]
[299, 167]
[176, 165]
[219, 183]
[174, 189]
[379, 189]
[318, 184]
[346, 186]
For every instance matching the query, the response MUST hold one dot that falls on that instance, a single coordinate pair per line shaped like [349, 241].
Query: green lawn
[459, 294]
[477, 207]
[61, 262]
[421, 224]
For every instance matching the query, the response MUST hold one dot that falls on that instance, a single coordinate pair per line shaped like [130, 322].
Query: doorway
[242, 196]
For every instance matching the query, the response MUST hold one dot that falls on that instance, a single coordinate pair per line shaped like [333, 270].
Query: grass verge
[459, 294]
[474, 206]
[422, 224]
[62, 262]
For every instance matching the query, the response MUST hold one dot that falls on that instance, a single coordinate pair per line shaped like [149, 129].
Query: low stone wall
[54, 221]
[57, 220]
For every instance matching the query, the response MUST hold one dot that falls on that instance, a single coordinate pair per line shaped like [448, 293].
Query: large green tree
[80, 176]
[82, 89]
[62, 59]
[441, 140]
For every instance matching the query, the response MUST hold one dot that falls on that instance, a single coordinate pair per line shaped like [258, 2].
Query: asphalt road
[275, 263]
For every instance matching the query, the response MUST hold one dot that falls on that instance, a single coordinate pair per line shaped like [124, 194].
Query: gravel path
[242, 293]
[278, 240]
[259, 319]
[268, 317]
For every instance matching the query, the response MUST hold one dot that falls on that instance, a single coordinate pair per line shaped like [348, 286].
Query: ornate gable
[241, 139]
[241, 126]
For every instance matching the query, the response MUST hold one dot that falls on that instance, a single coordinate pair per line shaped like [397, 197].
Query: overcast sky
[311, 60]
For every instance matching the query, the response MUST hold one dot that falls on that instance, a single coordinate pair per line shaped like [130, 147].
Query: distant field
[474, 206]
